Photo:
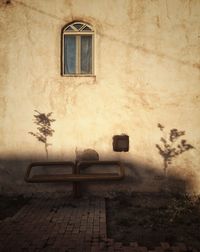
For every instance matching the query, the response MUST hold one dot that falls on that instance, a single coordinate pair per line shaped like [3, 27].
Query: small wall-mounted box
[120, 143]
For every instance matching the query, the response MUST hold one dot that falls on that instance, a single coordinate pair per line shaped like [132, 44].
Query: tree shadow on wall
[44, 128]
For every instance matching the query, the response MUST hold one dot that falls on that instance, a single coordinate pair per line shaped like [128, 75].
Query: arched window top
[77, 49]
[78, 27]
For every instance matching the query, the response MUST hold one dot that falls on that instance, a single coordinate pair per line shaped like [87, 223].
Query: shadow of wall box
[121, 143]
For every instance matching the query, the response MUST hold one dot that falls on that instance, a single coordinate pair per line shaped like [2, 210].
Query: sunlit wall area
[144, 83]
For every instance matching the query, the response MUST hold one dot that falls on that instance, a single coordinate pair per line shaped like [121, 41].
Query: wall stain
[57, 98]
[158, 21]
[39, 11]
[150, 51]
[167, 9]
[70, 7]
[135, 10]
[28, 28]
[140, 97]
[38, 88]
[189, 5]
[6, 3]
[3, 104]
[196, 65]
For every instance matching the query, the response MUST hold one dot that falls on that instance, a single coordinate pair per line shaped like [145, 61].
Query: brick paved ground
[65, 224]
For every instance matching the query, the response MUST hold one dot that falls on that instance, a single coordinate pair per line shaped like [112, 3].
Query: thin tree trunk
[165, 179]
[165, 168]
[46, 150]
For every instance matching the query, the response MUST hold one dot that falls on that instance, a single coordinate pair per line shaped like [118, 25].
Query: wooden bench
[77, 175]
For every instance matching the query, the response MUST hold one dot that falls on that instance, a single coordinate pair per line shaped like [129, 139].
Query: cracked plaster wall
[147, 71]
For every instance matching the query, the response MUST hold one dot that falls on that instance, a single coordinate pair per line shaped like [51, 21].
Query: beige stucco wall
[147, 71]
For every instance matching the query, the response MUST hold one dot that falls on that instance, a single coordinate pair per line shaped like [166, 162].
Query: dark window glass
[78, 26]
[86, 29]
[86, 54]
[69, 28]
[69, 54]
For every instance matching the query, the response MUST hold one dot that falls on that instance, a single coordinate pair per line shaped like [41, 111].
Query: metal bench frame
[76, 176]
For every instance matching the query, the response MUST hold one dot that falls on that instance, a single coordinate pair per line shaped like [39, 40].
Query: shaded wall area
[139, 177]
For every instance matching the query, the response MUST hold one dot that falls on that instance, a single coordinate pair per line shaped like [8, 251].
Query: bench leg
[76, 185]
[76, 190]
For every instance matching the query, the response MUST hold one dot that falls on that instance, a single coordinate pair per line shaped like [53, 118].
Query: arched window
[77, 50]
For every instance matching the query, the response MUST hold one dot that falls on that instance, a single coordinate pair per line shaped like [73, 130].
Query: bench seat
[73, 177]
[76, 175]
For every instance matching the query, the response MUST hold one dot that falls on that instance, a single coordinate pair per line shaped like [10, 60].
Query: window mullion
[92, 54]
[78, 54]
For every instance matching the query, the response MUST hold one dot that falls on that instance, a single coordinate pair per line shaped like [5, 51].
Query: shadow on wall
[12, 173]
[139, 177]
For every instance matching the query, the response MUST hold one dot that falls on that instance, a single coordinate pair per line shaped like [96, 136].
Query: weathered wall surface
[147, 71]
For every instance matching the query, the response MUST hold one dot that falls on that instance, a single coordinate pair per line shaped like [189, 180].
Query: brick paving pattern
[66, 224]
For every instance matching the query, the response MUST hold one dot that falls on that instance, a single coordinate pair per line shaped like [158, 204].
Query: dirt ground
[153, 218]
[9, 206]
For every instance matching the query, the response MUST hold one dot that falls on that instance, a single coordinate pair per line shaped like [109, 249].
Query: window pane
[86, 54]
[69, 54]
[86, 29]
[78, 26]
[69, 28]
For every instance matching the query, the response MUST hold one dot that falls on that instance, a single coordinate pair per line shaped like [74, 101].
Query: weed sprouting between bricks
[43, 122]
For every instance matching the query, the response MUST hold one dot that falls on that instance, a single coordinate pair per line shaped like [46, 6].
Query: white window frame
[77, 33]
